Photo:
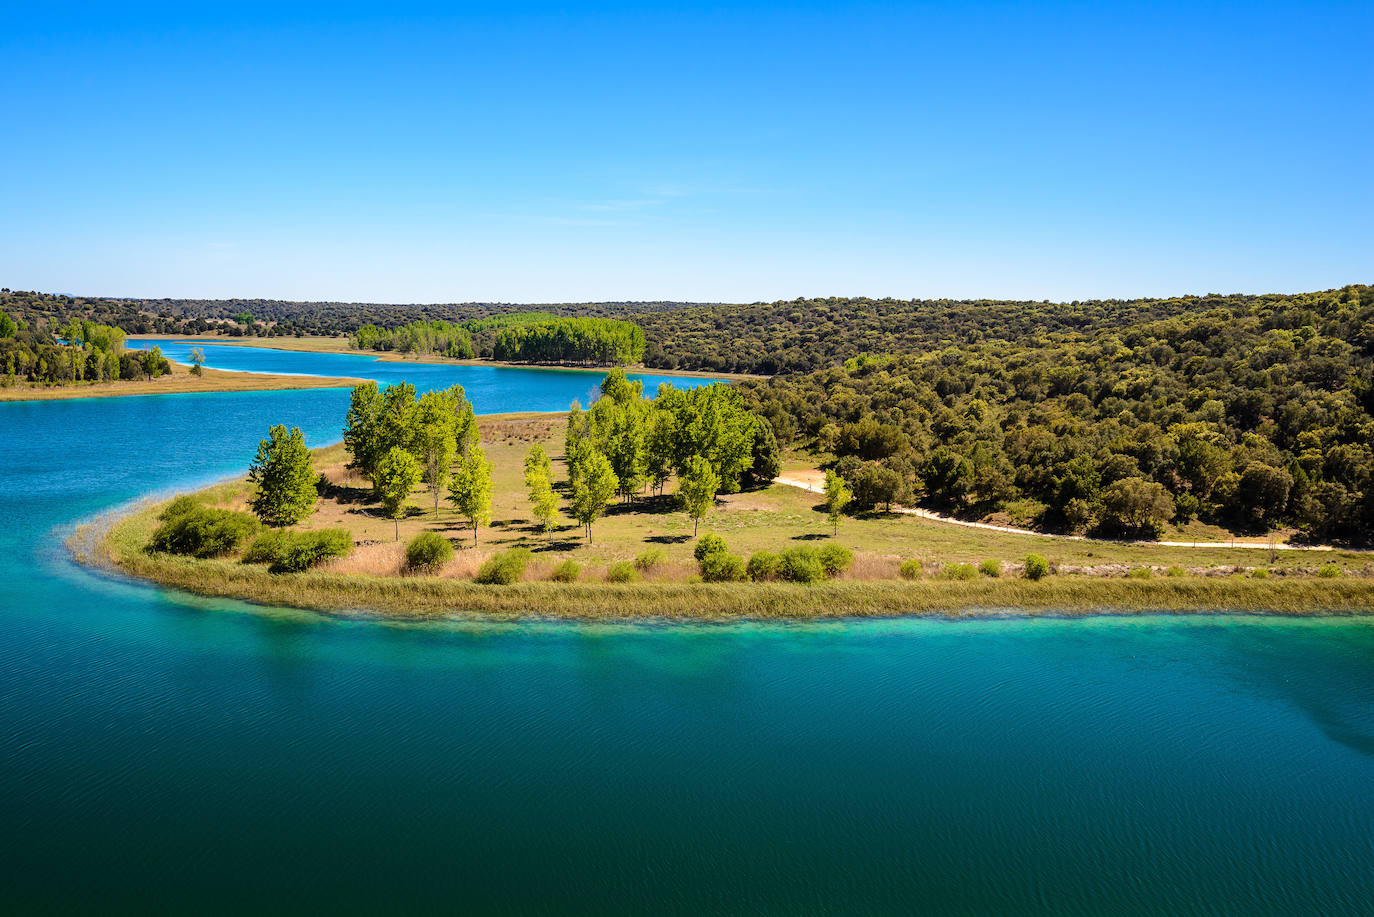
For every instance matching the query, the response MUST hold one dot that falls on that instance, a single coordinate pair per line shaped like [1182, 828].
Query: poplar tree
[594, 483]
[284, 473]
[697, 488]
[470, 491]
[837, 497]
[396, 475]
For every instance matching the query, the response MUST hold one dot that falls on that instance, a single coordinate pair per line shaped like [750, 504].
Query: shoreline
[388, 356]
[180, 382]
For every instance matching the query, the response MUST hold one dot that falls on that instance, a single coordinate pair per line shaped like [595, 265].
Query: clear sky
[735, 151]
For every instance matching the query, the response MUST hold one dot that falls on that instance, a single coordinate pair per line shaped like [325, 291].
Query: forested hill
[1253, 412]
[808, 334]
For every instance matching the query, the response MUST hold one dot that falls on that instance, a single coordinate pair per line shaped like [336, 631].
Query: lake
[204, 755]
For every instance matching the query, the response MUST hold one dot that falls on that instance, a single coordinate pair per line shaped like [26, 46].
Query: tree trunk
[396, 520]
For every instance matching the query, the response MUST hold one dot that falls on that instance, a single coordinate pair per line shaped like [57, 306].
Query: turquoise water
[201, 755]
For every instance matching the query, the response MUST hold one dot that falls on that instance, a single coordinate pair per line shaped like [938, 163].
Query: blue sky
[729, 152]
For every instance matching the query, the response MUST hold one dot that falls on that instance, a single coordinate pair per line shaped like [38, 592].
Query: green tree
[197, 361]
[8, 327]
[434, 439]
[395, 477]
[767, 462]
[362, 435]
[153, 363]
[594, 483]
[1137, 505]
[284, 474]
[697, 489]
[470, 491]
[837, 497]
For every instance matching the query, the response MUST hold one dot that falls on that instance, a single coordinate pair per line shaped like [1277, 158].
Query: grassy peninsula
[1088, 577]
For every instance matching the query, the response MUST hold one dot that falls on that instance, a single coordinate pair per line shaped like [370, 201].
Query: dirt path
[814, 481]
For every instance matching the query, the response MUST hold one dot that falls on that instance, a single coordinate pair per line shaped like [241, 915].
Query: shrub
[179, 506]
[648, 560]
[292, 552]
[504, 568]
[835, 559]
[991, 568]
[1036, 568]
[622, 571]
[959, 571]
[1176, 571]
[1329, 571]
[1259, 573]
[205, 532]
[800, 564]
[1140, 573]
[709, 543]
[428, 551]
[911, 569]
[763, 565]
[722, 567]
[566, 572]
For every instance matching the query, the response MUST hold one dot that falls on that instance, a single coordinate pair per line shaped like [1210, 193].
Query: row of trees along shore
[82, 351]
[530, 337]
[624, 444]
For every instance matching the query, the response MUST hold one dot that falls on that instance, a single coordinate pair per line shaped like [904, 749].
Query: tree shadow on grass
[668, 539]
[813, 536]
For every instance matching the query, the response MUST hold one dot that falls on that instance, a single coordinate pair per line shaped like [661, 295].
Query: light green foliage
[8, 326]
[649, 559]
[395, 477]
[711, 422]
[428, 551]
[959, 571]
[566, 572]
[1175, 571]
[1330, 571]
[1259, 573]
[436, 337]
[570, 340]
[538, 474]
[504, 568]
[197, 361]
[283, 472]
[293, 552]
[470, 490]
[835, 559]
[709, 544]
[1140, 573]
[990, 567]
[837, 497]
[763, 565]
[180, 505]
[434, 436]
[204, 532]
[697, 489]
[800, 564]
[622, 571]
[1036, 567]
[618, 423]
[723, 567]
[911, 569]
[593, 485]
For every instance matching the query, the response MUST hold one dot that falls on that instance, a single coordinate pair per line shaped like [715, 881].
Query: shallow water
[209, 756]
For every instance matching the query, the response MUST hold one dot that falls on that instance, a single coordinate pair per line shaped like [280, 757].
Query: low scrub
[649, 560]
[428, 552]
[959, 571]
[622, 571]
[1330, 571]
[1036, 567]
[800, 564]
[204, 532]
[723, 567]
[835, 559]
[911, 569]
[566, 572]
[709, 543]
[762, 566]
[180, 506]
[294, 552]
[504, 568]
[991, 568]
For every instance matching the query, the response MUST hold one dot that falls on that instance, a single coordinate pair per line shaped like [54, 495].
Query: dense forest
[1253, 412]
[81, 351]
[523, 337]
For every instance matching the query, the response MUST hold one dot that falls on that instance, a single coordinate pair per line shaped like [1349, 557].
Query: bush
[292, 552]
[835, 559]
[622, 571]
[709, 544]
[959, 571]
[722, 567]
[1036, 568]
[800, 564]
[762, 566]
[566, 572]
[1259, 573]
[1140, 573]
[649, 559]
[991, 568]
[205, 532]
[428, 551]
[1176, 571]
[911, 569]
[179, 506]
[1329, 571]
[504, 568]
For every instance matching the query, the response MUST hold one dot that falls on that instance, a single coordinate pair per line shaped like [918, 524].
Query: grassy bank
[180, 381]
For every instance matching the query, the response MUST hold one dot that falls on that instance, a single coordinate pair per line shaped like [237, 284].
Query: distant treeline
[527, 337]
[83, 351]
[1253, 412]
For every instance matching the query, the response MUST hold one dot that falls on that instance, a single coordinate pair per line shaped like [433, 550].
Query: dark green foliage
[622, 571]
[179, 506]
[800, 564]
[876, 485]
[767, 460]
[570, 340]
[294, 552]
[566, 572]
[428, 551]
[723, 567]
[204, 532]
[763, 565]
[504, 568]
[835, 559]
[1036, 567]
[710, 543]
[283, 472]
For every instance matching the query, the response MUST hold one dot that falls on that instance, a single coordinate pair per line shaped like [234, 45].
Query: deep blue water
[178, 754]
